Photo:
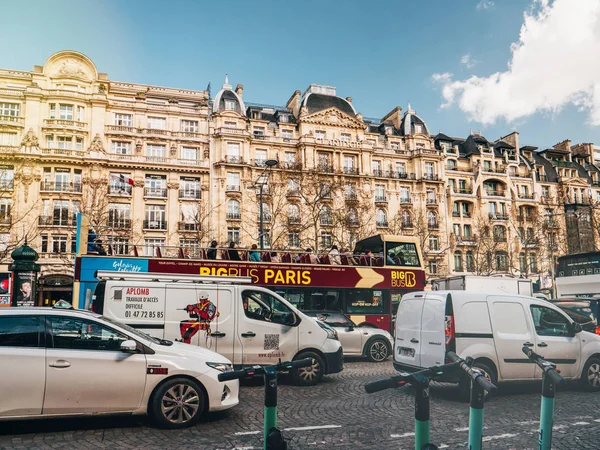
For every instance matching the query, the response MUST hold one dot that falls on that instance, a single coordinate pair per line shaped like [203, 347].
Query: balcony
[402, 175]
[231, 131]
[326, 221]
[325, 168]
[12, 121]
[525, 218]
[119, 224]
[120, 130]
[233, 159]
[122, 191]
[186, 226]
[455, 214]
[430, 177]
[275, 139]
[189, 195]
[463, 190]
[377, 173]
[465, 240]
[294, 220]
[155, 192]
[500, 170]
[232, 188]
[526, 196]
[350, 170]
[433, 226]
[498, 216]
[500, 239]
[155, 225]
[405, 200]
[7, 185]
[233, 216]
[431, 202]
[380, 199]
[60, 186]
[466, 214]
[259, 163]
[351, 197]
[293, 193]
[292, 165]
[56, 221]
[491, 193]
[266, 218]
[65, 124]
[382, 224]
[406, 224]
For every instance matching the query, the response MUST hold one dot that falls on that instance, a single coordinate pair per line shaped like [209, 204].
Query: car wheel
[311, 375]
[464, 384]
[590, 377]
[178, 403]
[377, 350]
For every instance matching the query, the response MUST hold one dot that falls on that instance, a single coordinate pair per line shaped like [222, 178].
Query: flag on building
[122, 178]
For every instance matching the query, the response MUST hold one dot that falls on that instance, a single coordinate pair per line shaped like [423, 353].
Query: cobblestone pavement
[341, 415]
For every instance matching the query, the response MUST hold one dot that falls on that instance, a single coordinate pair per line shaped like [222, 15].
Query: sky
[492, 66]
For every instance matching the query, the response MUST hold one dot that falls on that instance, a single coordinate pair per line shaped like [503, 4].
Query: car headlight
[331, 333]
[221, 367]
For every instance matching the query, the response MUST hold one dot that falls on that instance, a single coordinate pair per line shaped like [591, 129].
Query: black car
[584, 311]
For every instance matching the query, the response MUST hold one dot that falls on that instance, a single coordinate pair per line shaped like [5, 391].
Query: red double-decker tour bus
[366, 285]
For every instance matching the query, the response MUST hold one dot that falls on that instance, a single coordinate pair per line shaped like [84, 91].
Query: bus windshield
[402, 254]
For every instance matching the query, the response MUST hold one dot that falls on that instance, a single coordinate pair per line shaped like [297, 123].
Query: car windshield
[132, 330]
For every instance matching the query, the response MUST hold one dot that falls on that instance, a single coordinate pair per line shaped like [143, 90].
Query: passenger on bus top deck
[254, 255]
[346, 252]
[211, 253]
[234, 255]
[334, 255]
[186, 253]
[312, 257]
[274, 257]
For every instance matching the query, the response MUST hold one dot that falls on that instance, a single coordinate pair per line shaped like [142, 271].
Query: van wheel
[590, 377]
[377, 350]
[178, 403]
[311, 375]
[464, 385]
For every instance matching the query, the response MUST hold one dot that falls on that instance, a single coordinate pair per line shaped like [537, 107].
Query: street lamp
[260, 182]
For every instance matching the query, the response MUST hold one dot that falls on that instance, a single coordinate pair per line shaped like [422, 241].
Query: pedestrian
[234, 255]
[334, 255]
[312, 258]
[211, 253]
[274, 257]
[254, 255]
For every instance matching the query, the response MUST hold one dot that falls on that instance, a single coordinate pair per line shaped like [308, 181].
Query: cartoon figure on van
[201, 315]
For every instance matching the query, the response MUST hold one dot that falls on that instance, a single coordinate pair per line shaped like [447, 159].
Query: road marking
[596, 420]
[581, 423]
[401, 435]
[462, 429]
[559, 427]
[444, 446]
[246, 433]
[318, 427]
[499, 436]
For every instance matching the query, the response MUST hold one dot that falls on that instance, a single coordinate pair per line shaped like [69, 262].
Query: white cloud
[468, 61]
[555, 62]
[441, 77]
[485, 4]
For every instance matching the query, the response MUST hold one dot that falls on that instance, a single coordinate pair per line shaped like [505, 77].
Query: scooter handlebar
[548, 368]
[381, 385]
[554, 376]
[233, 375]
[475, 375]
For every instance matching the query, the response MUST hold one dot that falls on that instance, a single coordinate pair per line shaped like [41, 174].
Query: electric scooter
[420, 380]
[479, 385]
[550, 379]
[272, 436]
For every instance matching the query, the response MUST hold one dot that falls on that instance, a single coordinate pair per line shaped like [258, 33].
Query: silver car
[374, 343]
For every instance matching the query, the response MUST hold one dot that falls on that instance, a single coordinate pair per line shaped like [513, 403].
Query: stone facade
[166, 168]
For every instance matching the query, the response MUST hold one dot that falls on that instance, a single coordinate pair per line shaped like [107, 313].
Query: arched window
[293, 214]
[325, 216]
[458, 261]
[266, 210]
[432, 220]
[352, 216]
[381, 218]
[233, 209]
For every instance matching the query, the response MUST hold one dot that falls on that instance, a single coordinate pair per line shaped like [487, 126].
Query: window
[155, 186]
[123, 119]
[324, 161]
[233, 152]
[189, 188]
[533, 263]
[78, 143]
[188, 214]
[156, 150]
[293, 186]
[230, 105]
[10, 139]
[59, 243]
[233, 181]
[406, 218]
[467, 231]
[65, 142]
[233, 234]
[266, 307]
[352, 216]
[326, 240]
[523, 262]
[549, 322]
[120, 183]
[376, 167]
[190, 153]
[189, 126]
[66, 112]
[121, 148]
[350, 190]
[258, 131]
[233, 209]
[157, 123]
[120, 245]
[434, 243]
[451, 164]
[501, 261]
[325, 216]
[80, 113]
[290, 159]
[79, 334]
[458, 261]
[266, 212]
[499, 233]
[9, 109]
[469, 260]
[52, 111]
[345, 137]
[119, 215]
[319, 134]
[283, 118]
[20, 331]
[5, 207]
[349, 163]
[456, 230]
[230, 124]
[381, 218]
[287, 134]
[400, 168]
[404, 195]
[546, 191]
[260, 157]
[429, 170]
[192, 244]
[294, 239]
[433, 266]
[293, 214]
[151, 244]
[361, 301]
[432, 219]
[155, 218]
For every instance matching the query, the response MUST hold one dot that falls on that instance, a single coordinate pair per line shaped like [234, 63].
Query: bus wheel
[311, 375]
[377, 351]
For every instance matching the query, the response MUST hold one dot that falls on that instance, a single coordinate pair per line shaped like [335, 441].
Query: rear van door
[408, 330]
[433, 334]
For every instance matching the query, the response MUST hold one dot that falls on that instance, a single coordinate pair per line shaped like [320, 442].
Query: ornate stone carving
[173, 150]
[303, 111]
[138, 147]
[30, 140]
[172, 185]
[139, 183]
[173, 101]
[96, 145]
[206, 152]
[72, 68]
[102, 89]
[333, 117]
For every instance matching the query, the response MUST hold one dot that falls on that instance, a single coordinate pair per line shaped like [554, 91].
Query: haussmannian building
[165, 168]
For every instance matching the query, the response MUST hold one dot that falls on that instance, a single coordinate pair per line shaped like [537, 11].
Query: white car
[66, 362]
[374, 343]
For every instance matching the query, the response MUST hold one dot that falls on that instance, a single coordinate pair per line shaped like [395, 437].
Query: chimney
[564, 145]
[239, 90]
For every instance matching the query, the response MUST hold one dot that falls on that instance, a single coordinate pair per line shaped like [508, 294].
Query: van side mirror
[290, 319]
[128, 346]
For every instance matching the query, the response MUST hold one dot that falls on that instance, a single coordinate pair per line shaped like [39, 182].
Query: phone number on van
[145, 314]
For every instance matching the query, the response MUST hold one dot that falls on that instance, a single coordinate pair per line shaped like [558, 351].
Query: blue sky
[382, 54]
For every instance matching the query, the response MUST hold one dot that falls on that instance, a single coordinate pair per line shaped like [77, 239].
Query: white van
[493, 329]
[247, 324]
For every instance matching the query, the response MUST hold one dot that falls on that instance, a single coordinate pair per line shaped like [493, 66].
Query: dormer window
[259, 131]
[418, 128]
[229, 105]
[283, 118]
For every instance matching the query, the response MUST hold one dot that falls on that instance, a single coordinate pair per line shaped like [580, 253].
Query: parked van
[493, 329]
[247, 324]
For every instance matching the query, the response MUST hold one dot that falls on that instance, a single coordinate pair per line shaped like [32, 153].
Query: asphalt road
[337, 414]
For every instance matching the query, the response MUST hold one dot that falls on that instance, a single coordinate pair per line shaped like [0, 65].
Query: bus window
[402, 254]
[365, 301]
[294, 296]
[332, 301]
